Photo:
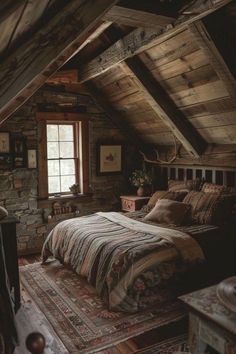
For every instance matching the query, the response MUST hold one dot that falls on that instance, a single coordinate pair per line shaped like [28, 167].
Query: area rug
[175, 345]
[79, 317]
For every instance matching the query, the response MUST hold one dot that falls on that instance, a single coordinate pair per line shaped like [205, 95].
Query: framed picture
[19, 151]
[109, 159]
[4, 142]
[32, 158]
[5, 161]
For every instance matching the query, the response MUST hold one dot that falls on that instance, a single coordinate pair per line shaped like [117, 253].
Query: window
[63, 153]
[61, 157]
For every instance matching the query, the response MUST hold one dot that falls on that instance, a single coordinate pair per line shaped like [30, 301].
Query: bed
[133, 262]
[125, 259]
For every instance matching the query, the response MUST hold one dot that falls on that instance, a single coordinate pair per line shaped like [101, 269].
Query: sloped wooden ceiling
[152, 65]
[186, 73]
[185, 62]
[37, 38]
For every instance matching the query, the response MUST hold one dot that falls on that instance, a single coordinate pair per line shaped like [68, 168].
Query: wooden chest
[132, 202]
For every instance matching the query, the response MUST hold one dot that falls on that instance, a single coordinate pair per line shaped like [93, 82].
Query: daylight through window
[61, 157]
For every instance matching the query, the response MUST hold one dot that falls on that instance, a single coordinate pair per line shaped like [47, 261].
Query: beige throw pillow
[168, 212]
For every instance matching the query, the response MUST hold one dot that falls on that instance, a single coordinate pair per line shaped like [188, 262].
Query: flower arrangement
[75, 188]
[140, 178]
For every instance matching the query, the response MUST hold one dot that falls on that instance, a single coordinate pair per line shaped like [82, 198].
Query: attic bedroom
[117, 177]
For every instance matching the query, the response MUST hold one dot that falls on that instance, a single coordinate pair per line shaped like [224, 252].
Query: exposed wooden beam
[94, 34]
[205, 42]
[36, 60]
[63, 76]
[165, 107]
[137, 18]
[141, 39]
[115, 117]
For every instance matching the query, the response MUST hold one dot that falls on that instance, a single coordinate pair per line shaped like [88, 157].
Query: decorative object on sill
[19, 151]
[75, 188]
[32, 158]
[61, 210]
[226, 292]
[109, 159]
[140, 179]
[158, 160]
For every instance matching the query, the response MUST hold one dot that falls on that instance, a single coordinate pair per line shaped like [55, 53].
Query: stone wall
[19, 187]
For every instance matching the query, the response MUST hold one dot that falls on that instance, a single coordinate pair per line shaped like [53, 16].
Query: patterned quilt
[130, 263]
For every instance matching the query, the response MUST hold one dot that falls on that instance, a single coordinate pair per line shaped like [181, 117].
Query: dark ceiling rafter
[165, 108]
[115, 117]
[26, 69]
[141, 39]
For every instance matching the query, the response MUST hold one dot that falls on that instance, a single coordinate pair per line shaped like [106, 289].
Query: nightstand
[133, 202]
[210, 323]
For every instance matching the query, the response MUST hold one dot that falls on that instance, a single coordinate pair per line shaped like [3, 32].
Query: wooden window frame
[81, 124]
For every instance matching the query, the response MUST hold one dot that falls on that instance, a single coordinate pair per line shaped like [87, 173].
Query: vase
[140, 191]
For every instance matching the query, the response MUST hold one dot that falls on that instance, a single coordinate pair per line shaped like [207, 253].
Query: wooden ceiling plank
[114, 116]
[166, 108]
[137, 18]
[205, 42]
[36, 60]
[10, 8]
[142, 39]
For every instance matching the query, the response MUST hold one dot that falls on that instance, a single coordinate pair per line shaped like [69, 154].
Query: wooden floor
[29, 319]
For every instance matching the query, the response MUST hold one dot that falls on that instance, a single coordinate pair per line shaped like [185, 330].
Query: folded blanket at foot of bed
[131, 264]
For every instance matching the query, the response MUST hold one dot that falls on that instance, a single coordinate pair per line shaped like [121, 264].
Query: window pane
[53, 168]
[66, 150]
[66, 182]
[66, 132]
[52, 132]
[67, 167]
[53, 184]
[53, 151]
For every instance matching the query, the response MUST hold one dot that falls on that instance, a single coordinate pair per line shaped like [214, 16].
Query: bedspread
[131, 264]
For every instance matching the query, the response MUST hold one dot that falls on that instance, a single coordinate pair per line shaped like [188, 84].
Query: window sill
[47, 202]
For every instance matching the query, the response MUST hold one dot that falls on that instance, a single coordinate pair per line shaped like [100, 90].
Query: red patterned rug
[79, 317]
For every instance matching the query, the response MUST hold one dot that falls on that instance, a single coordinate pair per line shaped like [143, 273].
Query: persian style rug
[175, 345]
[79, 317]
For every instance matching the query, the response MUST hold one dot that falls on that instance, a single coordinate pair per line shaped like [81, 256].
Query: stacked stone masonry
[19, 187]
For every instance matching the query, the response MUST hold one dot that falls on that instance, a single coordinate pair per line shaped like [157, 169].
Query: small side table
[210, 322]
[133, 202]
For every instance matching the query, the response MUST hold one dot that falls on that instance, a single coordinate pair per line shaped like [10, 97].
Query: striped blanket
[131, 264]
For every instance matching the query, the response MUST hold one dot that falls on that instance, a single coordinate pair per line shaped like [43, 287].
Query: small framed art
[32, 158]
[4, 142]
[19, 151]
[109, 159]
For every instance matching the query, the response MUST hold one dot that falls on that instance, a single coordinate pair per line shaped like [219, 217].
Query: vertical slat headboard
[217, 175]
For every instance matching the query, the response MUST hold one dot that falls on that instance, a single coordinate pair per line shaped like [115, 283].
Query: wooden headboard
[222, 176]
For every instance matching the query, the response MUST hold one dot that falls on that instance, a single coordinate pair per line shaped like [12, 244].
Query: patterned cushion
[168, 212]
[213, 188]
[209, 208]
[187, 185]
[178, 196]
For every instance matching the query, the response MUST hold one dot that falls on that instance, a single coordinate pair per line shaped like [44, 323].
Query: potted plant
[140, 179]
[75, 188]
